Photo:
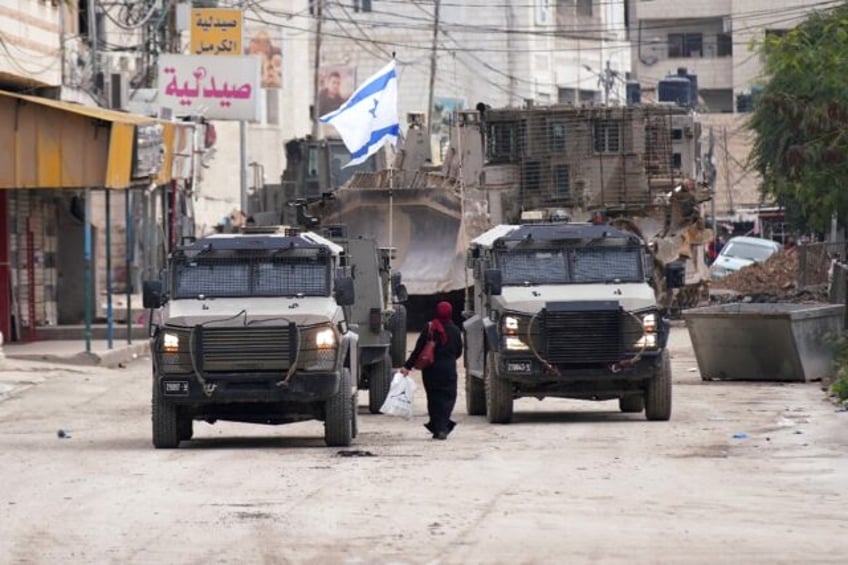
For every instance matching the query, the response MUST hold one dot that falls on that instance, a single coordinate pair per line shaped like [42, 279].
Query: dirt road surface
[744, 473]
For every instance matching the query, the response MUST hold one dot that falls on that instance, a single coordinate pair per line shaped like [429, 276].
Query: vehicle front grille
[245, 348]
[583, 332]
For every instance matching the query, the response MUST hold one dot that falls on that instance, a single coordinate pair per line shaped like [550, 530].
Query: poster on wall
[218, 88]
[444, 109]
[266, 43]
[335, 85]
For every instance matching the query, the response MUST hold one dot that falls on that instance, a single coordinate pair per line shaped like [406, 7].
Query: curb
[109, 359]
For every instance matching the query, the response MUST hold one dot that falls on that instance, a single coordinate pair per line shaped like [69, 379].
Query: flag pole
[391, 218]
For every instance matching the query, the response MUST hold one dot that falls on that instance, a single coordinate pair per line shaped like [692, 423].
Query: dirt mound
[777, 275]
[775, 280]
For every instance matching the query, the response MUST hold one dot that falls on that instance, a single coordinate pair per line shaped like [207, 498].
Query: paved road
[569, 481]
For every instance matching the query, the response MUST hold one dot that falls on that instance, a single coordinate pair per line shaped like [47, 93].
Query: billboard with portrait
[267, 43]
[335, 85]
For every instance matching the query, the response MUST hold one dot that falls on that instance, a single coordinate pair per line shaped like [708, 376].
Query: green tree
[800, 118]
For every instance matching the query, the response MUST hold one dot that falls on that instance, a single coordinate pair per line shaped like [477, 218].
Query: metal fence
[814, 261]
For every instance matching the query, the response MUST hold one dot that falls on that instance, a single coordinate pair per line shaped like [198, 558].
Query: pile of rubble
[774, 280]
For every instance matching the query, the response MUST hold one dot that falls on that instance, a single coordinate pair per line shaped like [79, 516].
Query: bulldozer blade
[426, 231]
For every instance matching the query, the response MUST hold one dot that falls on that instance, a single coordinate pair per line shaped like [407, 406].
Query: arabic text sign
[216, 31]
[220, 88]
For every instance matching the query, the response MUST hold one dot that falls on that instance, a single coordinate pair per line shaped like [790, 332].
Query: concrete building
[711, 40]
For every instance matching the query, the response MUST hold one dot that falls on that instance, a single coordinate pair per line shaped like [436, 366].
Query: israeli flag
[369, 118]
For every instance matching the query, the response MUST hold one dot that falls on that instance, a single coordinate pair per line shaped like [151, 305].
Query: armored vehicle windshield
[271, 269]
[573, 254]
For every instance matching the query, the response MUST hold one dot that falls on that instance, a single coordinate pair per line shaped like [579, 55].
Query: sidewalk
[72, 352]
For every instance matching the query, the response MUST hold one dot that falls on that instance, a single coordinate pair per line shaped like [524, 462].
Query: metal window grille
[596, 263]
[607, 136]
[251, 276]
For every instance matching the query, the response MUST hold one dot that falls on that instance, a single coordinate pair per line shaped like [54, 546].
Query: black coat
[446, 355]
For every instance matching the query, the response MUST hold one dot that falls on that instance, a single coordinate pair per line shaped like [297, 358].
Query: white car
[740, 252]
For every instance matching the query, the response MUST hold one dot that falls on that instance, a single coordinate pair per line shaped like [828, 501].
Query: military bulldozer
[426, 213]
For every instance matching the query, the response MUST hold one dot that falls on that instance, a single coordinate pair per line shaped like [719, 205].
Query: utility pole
[711, 178]
[432, 72]
[319, 14]
[243, 200]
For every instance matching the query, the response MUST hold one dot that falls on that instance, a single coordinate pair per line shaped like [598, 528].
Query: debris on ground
[774, 280]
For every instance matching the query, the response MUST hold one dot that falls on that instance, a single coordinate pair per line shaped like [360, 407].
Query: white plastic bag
[401, 394]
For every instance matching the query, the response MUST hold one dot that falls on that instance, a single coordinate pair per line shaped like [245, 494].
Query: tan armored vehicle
[254, 328]
[567, 310]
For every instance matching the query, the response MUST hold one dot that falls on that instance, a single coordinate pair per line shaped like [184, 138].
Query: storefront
[54, 156]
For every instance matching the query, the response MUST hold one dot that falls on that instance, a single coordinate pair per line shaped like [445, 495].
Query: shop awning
[47, 143]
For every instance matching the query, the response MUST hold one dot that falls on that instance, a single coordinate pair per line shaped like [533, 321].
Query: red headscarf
[444, 313]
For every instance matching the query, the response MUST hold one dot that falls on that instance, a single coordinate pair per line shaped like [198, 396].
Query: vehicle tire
[397, 325]
[631, 403]
[658, 393]
[338, 420]
[475, 396]
[354, 401]
[498, 394]
[379, 379]
[164, 415]
[185, 424]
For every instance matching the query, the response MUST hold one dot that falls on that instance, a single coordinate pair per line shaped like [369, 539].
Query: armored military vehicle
[565, 310]
[254, 327]
[378, 316]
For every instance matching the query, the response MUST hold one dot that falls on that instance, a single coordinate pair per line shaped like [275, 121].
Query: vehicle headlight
[510, 325]
[325, 339]
[649, 322]
[648, 339]
[514, 343]
[170, 343]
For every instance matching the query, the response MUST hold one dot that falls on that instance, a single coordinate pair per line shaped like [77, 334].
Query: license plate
[176, 388]
[518, 366]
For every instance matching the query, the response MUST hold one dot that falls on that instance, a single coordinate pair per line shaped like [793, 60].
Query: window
[685, 45]
[562, 182]
[361, 5]
[676, 134]
[607, 135]
[584, 7]
[501, 142]
[676, 161]
[532, 176]
[724, 45]
[556, 137]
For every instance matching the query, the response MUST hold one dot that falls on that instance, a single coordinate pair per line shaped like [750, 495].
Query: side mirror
[400, 294]
[152, 294]
[675, 274]
[493, 282]
[343, 292]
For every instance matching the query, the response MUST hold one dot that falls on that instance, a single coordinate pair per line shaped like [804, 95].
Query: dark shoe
[429, 426]
[441, 435]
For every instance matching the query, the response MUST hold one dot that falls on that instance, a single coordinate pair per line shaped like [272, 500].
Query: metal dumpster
[773, 342]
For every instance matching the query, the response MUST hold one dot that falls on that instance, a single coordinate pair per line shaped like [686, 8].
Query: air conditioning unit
[115, 90]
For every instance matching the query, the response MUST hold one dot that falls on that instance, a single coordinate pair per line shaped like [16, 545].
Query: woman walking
[440, 377]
